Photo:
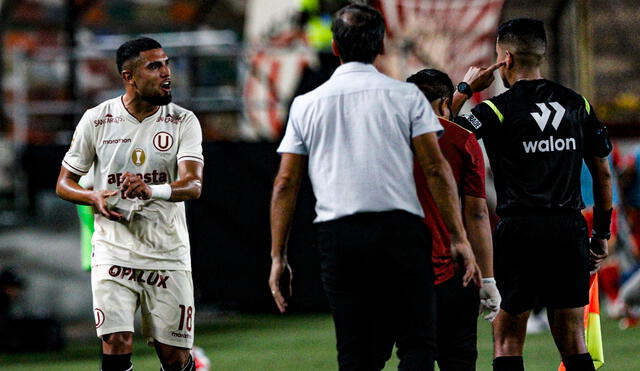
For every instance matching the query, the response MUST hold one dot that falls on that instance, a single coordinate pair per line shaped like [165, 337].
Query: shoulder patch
[473, 120]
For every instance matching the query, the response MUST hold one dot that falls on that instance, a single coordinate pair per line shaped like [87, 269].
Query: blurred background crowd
[238, 64]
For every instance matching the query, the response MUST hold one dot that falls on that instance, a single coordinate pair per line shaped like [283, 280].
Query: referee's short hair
[132, 49]
[433, 83]
[526, 38]
[358, 31]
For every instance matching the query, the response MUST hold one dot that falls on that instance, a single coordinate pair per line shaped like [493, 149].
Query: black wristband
[602, 223]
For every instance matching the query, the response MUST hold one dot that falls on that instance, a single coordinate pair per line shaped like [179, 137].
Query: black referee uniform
[536, 135]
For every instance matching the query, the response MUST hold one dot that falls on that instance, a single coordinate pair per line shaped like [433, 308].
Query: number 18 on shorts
[165, 299]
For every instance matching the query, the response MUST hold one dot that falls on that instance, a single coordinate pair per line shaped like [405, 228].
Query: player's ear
[445, 107]
[508, 59]
[127, 76]
[334, 48]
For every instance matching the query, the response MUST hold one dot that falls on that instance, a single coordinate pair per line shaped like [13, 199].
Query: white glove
[489, 298]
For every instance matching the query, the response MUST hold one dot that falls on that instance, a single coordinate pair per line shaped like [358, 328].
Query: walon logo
[542, 119]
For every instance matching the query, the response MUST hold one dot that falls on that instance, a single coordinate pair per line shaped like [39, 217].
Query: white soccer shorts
[165, 299]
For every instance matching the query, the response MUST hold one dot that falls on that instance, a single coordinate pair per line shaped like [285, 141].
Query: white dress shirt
[356, 129]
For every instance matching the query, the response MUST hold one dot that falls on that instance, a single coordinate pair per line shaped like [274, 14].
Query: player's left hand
[134, 187]
[490, 298]
[480, 78]
[278, 266]
[598, 252]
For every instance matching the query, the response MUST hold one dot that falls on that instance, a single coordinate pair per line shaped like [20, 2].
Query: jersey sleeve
[293, 141]
[473, 183]
[483, 118]
[423, 119]
[597, 141]
[82, 150]
[190, 146]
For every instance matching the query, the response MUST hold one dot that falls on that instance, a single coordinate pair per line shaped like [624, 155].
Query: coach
[354, 133]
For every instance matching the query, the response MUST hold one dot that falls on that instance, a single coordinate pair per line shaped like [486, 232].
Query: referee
[355, 135]
[536, 135]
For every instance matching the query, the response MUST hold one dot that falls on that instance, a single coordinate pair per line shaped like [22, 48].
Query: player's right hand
[99, 201]
[461, 251]
[278, 266]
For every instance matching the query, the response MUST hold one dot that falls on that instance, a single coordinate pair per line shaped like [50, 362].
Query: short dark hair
[358, 31]
[132, 49]
[433, 83]
[527, 38]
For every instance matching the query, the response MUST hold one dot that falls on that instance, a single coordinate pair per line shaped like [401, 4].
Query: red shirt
[460, 147]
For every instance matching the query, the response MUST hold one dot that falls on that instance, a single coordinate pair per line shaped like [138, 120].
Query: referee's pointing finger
[495, 66]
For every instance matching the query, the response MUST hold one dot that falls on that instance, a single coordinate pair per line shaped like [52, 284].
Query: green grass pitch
[306, 342]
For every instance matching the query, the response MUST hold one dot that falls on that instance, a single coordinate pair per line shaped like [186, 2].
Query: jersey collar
[354, 67]
[132, 117]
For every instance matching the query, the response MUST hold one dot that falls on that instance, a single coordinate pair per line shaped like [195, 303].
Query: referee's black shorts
[542, 256]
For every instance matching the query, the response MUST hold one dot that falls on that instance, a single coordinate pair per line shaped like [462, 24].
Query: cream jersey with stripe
[153, 233]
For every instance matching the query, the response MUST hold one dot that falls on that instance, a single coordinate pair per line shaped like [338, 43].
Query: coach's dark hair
[433, 83]
[527, 39]
[132, 49]
[358, 31]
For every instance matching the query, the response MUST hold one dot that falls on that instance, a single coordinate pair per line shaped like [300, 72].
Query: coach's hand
[461, 251]
[134, 187]
[490, 298]
[480, 78]
[598, 252]
[278, 266]
[99, 203]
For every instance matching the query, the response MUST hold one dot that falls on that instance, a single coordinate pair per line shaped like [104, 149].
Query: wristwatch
[601, 236]
[465, 89]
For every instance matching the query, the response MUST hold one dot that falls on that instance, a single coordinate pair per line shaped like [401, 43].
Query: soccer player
[457, 305]
[536, 135]
[148, 159]
[354, 135]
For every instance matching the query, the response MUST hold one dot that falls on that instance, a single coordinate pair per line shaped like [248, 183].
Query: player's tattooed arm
[68, 189]
[189, 184]
[187, 187]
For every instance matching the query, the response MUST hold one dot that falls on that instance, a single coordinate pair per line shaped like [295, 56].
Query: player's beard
[158, 100]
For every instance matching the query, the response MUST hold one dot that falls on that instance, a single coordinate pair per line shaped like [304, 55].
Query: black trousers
[377, 274]
[457, 333]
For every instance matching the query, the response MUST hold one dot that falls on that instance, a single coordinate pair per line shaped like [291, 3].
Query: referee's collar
[354, 67]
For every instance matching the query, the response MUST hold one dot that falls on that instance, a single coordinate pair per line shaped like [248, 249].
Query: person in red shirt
[457, 306]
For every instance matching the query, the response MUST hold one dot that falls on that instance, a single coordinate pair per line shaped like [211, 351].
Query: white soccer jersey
[153, 234]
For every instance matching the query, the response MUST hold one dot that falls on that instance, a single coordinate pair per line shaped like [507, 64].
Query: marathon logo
[550, 145]
[116, 141]
[169, 118]
[152, 177]
[179, 335]
[108, 119]
[152, 278]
